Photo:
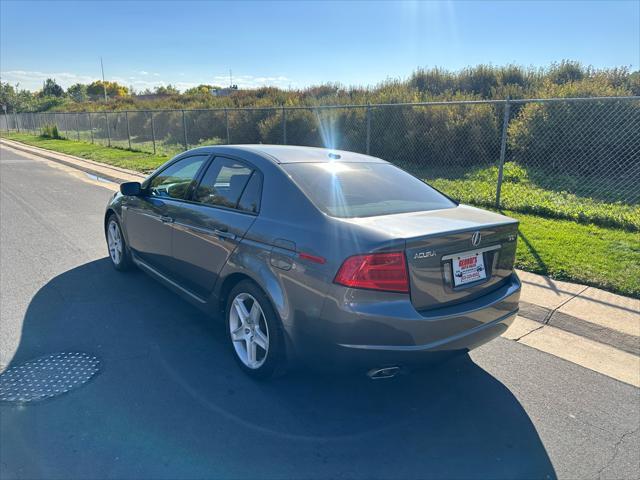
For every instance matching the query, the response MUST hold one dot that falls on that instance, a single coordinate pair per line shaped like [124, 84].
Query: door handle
[164, 219]
[224, 233]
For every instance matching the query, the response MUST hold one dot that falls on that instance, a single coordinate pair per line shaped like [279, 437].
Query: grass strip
[133, 160]
[601, 257]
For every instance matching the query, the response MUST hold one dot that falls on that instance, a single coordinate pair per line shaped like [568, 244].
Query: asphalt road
[169, 401]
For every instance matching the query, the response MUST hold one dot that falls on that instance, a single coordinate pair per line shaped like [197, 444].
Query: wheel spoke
[255, 313]
[251, 352]
[237, 335]
[243, 314]
[260, 339]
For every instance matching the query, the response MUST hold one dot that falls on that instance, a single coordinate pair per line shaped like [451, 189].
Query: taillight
[375, 271]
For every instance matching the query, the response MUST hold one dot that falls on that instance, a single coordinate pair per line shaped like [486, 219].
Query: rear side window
[223, 183]
[174, 181]
[342, 189]
[250, 199]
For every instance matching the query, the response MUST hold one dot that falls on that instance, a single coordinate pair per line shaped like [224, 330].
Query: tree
[95, 90]
[51, 89]
[78, 92]
[15, 99]
[566, 71]
[8, 96]
[201, 89]
[166, 90]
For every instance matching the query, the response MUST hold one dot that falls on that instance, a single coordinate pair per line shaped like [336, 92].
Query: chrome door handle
[164, 219]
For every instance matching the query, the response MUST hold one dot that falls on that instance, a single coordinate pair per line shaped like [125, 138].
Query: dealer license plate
[468, 269]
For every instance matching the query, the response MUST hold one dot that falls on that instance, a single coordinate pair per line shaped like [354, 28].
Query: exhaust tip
[382, 373]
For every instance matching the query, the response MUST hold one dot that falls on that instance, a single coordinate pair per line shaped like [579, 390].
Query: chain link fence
[569, 158]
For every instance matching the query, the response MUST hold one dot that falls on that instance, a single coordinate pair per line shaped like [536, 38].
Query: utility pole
[104, 86]
[230, 79]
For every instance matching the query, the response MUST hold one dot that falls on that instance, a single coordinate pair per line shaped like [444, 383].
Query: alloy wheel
[249, 330]
[114, 241]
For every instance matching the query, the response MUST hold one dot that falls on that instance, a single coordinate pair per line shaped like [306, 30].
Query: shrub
[585, 140]
[50, 130]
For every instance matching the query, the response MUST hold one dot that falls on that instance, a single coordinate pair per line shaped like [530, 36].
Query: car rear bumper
[355, 332]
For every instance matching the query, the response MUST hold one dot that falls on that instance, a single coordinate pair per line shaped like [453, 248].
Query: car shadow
[170, 402]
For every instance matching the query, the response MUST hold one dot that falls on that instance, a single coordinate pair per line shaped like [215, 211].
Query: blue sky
[296, 44]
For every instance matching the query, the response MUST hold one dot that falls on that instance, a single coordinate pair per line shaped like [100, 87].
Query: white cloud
[252, 81]
[32, 80]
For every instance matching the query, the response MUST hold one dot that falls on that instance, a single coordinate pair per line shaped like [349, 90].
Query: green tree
[166, 90]
[78, 92]
[566, 71]
[51, 89]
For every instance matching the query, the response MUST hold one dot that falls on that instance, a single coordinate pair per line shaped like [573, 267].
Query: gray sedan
[319, 257]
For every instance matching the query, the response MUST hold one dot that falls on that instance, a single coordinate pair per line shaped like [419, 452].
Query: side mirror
[130, 189]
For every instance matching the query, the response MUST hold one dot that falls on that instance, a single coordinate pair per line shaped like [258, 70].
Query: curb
[114, 174]
[569, 323]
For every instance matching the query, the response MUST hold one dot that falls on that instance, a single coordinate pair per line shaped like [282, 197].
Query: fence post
[503, 149]
[368, 128]
[106, 120]
[126, 116]
[77, 126]
[90, 126]
[284, 125]
[153, 133]
[184, 131]
[226, 121]
[15, 121]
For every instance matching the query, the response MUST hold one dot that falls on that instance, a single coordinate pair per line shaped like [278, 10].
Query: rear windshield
[364, 189]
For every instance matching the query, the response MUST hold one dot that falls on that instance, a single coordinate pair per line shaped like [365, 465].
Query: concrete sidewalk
[585, 325]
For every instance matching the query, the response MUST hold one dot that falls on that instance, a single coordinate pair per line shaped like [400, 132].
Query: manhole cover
[47, 376]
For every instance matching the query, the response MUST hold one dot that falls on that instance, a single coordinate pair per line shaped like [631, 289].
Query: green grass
[119, 157]
[603, 257]
[520, 193]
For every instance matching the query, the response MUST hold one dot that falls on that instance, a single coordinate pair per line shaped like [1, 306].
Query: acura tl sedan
[319, 257]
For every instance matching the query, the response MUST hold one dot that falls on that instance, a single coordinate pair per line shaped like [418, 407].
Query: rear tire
[254, 331]
[116, 245]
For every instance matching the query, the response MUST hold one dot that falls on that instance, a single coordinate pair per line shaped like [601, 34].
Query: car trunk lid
[477, 245]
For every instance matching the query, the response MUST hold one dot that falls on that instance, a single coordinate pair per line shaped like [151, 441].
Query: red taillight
[376, 271]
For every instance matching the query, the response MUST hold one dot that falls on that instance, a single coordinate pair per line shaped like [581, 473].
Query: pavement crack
[616, 450]
[531, 331]
[552, 311]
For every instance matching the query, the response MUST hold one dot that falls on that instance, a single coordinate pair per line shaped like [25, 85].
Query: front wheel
[118, 251]
[254, 331]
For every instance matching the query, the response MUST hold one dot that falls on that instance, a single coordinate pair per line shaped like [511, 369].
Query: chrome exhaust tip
[381, 373]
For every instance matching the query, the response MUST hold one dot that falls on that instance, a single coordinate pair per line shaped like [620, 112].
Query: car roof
[297, 154]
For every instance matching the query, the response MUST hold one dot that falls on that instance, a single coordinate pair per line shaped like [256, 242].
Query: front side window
[223, 183]
[175, 180]
[342, 189]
